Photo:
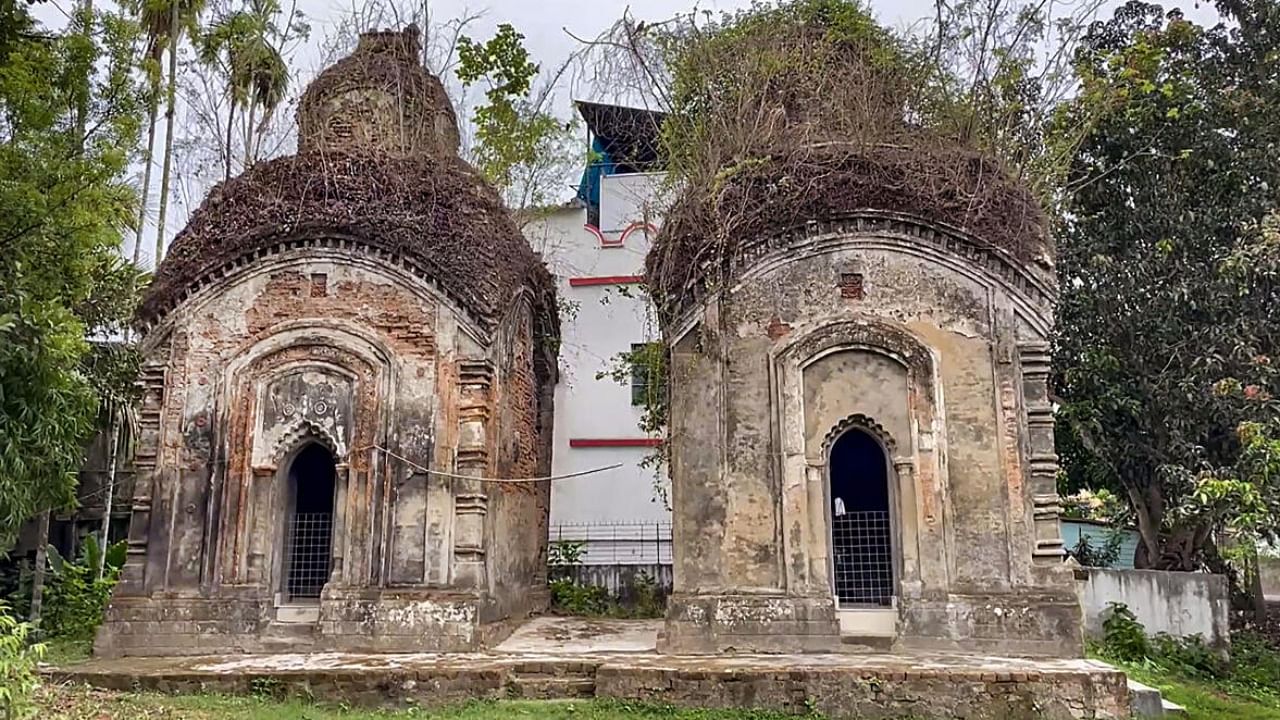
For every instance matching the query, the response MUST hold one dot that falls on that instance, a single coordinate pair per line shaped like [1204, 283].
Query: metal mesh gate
[310, 544]
[863, 558]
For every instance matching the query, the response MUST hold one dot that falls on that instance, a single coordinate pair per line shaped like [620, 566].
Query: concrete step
[865, 643]
[551, 687]
[288, 636]
[1147, 703]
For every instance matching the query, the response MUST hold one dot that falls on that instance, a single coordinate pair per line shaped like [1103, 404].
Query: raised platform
[556, 658]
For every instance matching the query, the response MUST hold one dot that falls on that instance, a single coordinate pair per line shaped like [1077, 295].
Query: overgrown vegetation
[18, 659]
[1193, 671]
[780, 115]
[77, 703]
[78, 591]
[569, 596]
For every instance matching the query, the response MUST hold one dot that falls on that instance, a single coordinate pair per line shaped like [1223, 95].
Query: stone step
[550, 687]
[1146, 702]
[865, 643]
[288, 636]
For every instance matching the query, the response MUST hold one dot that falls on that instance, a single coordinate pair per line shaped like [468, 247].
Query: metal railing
[618, 543]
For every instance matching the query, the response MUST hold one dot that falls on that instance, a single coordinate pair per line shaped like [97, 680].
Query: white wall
[615, 508]
[1178, 603]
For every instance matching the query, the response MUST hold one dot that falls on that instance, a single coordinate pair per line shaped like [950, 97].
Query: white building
[597, 250]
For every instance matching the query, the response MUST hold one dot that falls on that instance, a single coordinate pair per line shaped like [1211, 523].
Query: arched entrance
[309, 523]
[861, 521]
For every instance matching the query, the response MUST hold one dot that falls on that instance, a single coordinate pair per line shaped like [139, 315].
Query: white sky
[549, 27]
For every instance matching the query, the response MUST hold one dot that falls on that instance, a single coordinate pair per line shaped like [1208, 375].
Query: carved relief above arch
[306, 431]
[858, 421]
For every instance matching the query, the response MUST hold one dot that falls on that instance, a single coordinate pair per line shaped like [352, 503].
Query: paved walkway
[569, 640]
[575, 657]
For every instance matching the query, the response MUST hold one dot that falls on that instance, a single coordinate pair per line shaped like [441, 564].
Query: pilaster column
[133, 575]
[1042, 459]
[470, 502]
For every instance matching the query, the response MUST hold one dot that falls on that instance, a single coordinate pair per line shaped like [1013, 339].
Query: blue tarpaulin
[598, 165]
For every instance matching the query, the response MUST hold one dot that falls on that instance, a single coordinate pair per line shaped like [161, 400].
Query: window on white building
[647, 379]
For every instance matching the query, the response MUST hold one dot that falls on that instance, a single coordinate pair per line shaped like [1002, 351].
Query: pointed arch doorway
[860, 502]
[308, 520]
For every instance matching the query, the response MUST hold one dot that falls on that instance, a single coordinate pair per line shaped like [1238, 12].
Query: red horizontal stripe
[614, 442]
[606, 280]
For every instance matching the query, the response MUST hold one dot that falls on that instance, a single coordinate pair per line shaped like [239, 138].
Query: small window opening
[647, 381]
[851, 286]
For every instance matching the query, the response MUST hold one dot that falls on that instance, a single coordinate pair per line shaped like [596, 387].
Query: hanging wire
[439, 473]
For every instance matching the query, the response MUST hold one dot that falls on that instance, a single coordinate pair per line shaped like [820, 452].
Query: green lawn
[1209, 701]
[79, 703]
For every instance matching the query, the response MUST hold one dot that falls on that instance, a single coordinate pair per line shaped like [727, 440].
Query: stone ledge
[841, 686]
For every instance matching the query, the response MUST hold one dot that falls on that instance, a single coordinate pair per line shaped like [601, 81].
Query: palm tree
[269, 82]
[239, 44]
[154, 18]
[166, 20]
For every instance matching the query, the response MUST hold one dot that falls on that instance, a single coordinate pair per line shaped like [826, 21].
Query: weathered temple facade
[861, 438]
[335, 345]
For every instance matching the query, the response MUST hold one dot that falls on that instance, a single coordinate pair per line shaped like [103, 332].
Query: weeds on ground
[71, 702]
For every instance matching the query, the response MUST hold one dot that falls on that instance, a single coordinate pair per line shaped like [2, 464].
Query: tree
[1169, 318]
[520, 146]
[65, 201]
[166, 20]
[242, 45]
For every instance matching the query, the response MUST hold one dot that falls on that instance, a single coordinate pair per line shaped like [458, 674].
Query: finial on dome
[379, 97]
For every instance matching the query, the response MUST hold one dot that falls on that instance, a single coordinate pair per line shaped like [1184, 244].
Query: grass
[70, 702]
[1206, 700]
[1192, 675]
[62, 652]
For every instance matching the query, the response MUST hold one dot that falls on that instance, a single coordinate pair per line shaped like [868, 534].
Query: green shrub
[1123, 637]
[77, 594]
[571, 598]
[18, 660]
[1189, 656]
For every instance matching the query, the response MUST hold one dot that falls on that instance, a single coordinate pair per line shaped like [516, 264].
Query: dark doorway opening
[861, 532]
[309, 540]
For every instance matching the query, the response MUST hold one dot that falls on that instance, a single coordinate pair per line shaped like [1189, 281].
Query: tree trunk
[172, 94]
[231, 123]
[152, 111]
[113, 453]
[42, 564]
[1149, 532]
[82, 100]
[248, 136]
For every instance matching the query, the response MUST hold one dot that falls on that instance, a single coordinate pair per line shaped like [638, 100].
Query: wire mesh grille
[863, 558]
[310, 543]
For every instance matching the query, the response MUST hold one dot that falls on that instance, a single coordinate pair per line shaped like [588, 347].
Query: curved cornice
[1035, 291]
[328, 246]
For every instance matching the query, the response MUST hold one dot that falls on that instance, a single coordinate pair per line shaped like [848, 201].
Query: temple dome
[381, 190]
[927, 182]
